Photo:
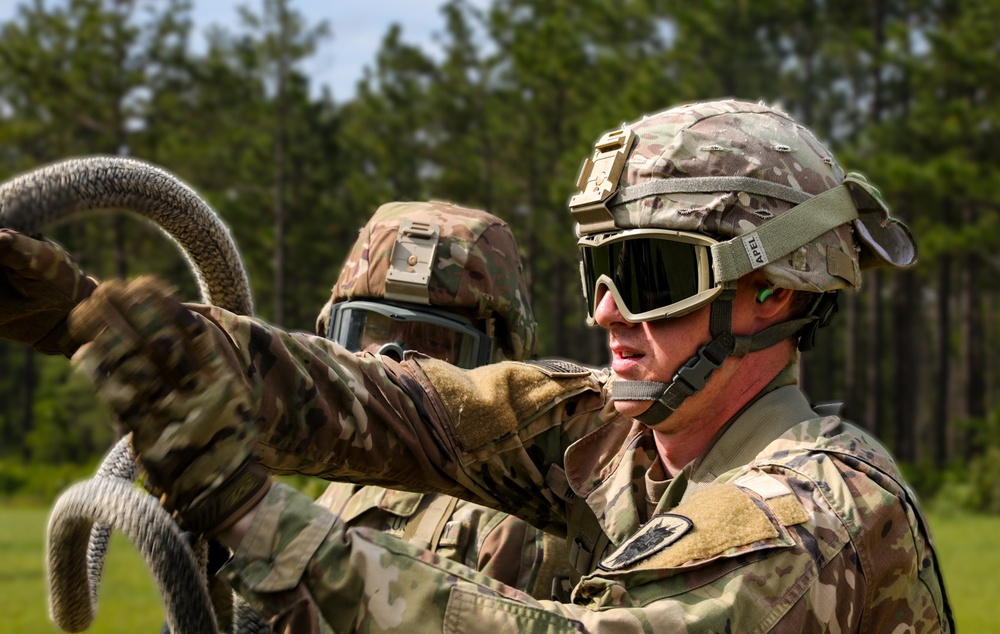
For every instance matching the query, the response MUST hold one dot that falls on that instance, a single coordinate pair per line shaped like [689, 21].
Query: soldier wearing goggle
[697, 488]
[433, 277]
[682, 230]
[445, 281]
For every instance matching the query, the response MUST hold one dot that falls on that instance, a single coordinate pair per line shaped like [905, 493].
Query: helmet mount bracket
[598, 181]
[409, 273]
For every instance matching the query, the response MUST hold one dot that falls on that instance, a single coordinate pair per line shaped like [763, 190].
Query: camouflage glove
[172, 377]
[39, 284]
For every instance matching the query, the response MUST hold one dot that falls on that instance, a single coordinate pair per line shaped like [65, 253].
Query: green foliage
[39, 483]
[971, 486]
[72, 426]
[501, 117]
[967, 552]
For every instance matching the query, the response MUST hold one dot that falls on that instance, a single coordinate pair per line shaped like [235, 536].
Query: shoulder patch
[724, 517]
[558, 368]
[659, 532]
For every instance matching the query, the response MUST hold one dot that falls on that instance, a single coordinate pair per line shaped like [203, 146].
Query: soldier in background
[697, 488]
[404, 288]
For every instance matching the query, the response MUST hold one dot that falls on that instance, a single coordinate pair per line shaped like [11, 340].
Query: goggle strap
[705, 185]
[783, 234]
[721, 314]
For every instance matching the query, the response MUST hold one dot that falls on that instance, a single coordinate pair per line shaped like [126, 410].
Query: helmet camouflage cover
[758, 143]
[476, 268]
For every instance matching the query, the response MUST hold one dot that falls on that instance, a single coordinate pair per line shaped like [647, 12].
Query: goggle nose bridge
[394, 349]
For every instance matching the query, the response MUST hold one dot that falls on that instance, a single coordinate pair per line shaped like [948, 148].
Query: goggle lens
[391, 329]
[433, 340]
[651, 276]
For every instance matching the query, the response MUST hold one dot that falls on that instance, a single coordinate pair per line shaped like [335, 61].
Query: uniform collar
[781, 407]
[607, 467]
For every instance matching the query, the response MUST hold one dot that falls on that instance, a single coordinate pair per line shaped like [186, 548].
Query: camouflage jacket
[791, 522]
[497, 544]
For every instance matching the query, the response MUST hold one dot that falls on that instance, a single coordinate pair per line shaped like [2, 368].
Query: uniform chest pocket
[724, 527]
[471, 611]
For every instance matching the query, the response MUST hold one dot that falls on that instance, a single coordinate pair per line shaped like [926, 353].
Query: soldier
[467, 311]
[697, 488]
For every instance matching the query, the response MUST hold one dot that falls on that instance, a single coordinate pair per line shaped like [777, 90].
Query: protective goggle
[391, 329]
[651, 273]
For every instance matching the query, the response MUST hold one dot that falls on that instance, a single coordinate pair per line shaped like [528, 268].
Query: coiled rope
[84, 516]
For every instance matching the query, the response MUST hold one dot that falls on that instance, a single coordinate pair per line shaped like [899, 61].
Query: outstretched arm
[39, 285]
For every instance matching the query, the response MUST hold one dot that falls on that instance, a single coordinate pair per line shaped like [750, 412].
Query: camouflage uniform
[476, 270]
[800, 522]
[788, 521]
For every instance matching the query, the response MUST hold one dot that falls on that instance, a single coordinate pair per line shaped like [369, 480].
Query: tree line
[501, 119]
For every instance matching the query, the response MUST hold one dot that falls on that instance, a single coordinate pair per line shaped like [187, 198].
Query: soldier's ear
[768, 304]
[774, 301]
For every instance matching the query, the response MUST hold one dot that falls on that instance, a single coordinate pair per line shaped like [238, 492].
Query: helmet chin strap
[695, 373]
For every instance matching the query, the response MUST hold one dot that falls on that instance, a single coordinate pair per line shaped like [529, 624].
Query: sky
[358, 27]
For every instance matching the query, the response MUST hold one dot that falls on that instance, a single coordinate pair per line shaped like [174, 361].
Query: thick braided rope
[118, 464]
[51, 194]
[117, 504]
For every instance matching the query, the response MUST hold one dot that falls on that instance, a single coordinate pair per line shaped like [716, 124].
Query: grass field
[128, 601]
[967, 547]
[970, 556]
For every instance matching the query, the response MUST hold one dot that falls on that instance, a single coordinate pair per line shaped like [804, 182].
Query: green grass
[968, 553]
[966, 544]
[128, 601]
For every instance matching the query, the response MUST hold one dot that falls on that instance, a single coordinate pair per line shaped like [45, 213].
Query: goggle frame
[477, 347]
[707, 288]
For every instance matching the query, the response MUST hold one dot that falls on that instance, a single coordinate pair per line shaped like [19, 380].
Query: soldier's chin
[632, 408]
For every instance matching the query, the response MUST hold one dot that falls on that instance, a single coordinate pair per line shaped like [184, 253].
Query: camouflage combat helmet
[764, 191]
[441, 255]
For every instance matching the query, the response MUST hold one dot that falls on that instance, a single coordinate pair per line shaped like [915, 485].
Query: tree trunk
[121, 254]
[906, 317]
[940, 420]
[6, 400]
[558, 290]
[279, 166]
[975, 387]
[28, 384]
[851, 339]
[874, 407]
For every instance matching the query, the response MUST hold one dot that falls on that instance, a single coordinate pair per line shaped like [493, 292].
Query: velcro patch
[788, 510]
[558, 368]
[724, 517]
[655, 535]
[785, 507]
[764, 485]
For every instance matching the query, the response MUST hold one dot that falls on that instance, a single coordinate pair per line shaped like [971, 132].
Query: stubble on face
[655, 350]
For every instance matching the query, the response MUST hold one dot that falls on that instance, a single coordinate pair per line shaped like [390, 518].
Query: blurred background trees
[902, 90]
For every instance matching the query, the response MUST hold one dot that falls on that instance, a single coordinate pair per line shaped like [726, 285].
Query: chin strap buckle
[696, 372]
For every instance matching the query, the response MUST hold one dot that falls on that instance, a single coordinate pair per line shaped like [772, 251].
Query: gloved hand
[171, 376]
[39, 284]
